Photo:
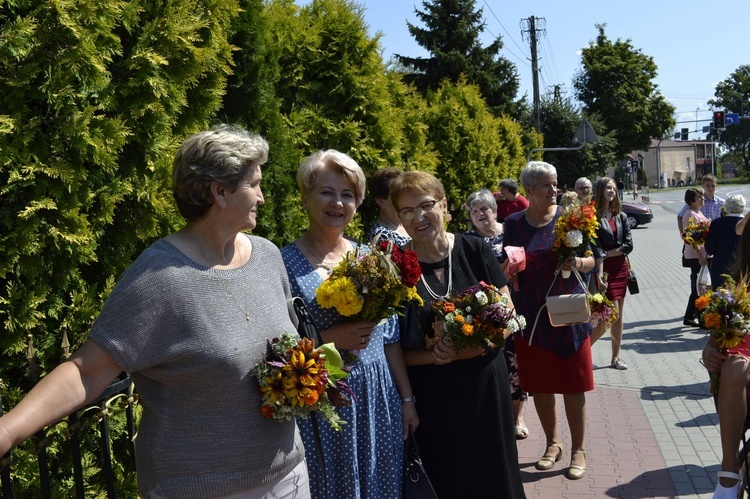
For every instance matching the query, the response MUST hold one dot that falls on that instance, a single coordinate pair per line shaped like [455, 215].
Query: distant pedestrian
[615, 243]
[508, 199]
[621, 189]
[693, 258]
[583, 189]
[711, 203]
[722, 241]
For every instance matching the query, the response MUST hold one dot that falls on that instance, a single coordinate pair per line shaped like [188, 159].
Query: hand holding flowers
[575, 228]
[295, 379]
[478, 317]
[603, 310]
[695, 234]
[726, 314]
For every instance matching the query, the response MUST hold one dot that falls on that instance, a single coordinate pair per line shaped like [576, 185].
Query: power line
[506, 31]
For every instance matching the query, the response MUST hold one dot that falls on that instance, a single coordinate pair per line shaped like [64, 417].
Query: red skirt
[617, 277]
[541, 371]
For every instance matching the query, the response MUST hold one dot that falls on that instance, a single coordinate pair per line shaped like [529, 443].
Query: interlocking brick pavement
[652, 430]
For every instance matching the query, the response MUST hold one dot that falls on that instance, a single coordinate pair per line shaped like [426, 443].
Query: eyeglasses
[409, 213]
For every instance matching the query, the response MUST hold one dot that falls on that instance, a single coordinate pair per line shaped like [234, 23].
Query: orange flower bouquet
[478, 316]
[574, 230]
[726, 314]
[295, 379]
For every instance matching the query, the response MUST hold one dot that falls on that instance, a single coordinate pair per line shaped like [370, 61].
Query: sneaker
[618, 363]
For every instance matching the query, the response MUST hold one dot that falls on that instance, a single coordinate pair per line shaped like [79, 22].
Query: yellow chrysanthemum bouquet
[603, 310]
[295, 379]
[371, 283]
[725, 312]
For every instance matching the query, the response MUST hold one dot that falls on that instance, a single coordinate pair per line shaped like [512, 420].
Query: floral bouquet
[695, 234]
[574, 230]
[602, 310]
[369, 285]
[295, 379]
[478, 316]
[725, 312]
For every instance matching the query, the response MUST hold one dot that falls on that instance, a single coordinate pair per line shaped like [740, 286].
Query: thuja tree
[336, 93]
[476, 149]
[95, 96]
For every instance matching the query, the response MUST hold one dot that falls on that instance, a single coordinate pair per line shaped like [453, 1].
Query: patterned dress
[565, 350]
[384, 233]
[365, 459]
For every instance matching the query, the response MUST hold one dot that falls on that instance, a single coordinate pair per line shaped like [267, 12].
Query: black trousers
[691, 312]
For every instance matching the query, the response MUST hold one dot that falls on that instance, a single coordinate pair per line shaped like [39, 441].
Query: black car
[638, 214]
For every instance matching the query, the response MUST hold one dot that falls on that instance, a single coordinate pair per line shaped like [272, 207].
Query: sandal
[618, 363]
[548, 462]
[722, 492]
[521, 431]
[576, 472]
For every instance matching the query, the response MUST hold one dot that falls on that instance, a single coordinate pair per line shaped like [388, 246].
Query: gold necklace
[223, 284]
[322, 261]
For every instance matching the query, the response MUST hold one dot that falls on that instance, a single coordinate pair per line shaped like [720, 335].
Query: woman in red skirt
[554, 359]
[615, 243]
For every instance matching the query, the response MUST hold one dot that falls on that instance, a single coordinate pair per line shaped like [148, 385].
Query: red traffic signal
[718, 119]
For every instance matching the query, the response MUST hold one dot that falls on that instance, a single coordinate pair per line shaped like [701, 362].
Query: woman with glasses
[466, 434]
[365, 458]
[481, 208]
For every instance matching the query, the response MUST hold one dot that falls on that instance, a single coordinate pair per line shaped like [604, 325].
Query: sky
[695, 44]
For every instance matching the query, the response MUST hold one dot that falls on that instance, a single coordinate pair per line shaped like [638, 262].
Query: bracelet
[409, 399]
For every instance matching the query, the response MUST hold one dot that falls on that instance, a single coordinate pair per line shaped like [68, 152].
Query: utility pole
[532, 30]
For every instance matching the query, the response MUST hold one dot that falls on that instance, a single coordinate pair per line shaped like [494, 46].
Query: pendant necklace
[223, 284]
[450, 278]
[323, 261]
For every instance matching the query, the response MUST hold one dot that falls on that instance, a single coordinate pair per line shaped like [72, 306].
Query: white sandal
[722, 492]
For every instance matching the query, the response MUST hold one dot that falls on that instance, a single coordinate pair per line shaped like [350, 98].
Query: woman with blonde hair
[615, 243]
[365, 458]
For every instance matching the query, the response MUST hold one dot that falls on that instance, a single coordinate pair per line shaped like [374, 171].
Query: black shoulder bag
[416, 485]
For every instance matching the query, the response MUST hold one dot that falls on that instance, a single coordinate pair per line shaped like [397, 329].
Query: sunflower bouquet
[695, 234]
[725, 312]
[371, 283]
[575, 228]
[602, 310]
[478, 316]
[295, 379]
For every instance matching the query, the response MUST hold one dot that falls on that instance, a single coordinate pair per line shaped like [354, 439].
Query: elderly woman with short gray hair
[553, 359]
[723, 241]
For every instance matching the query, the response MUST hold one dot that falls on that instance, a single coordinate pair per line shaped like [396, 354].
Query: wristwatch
[409, 399]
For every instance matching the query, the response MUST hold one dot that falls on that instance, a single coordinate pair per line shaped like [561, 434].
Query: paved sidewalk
[652, 430]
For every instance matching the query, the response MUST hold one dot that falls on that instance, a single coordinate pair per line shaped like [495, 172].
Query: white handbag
[564, 310]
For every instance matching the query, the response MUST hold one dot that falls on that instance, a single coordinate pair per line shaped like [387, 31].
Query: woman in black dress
[466, 435]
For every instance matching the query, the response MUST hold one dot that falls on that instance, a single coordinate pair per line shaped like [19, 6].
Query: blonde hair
[336, 161]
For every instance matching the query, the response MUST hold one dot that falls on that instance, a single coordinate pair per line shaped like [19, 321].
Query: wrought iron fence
[118, 396]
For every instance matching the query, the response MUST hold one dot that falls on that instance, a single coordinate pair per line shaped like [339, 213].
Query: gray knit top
[180, 330]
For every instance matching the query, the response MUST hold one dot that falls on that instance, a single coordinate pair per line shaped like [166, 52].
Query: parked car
[638, 214]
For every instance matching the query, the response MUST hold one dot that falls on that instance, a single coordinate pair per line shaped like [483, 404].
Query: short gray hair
[735, 204]
[510, 184]
[581, 181]
[533, 170]
[222, 154]
[482, 196]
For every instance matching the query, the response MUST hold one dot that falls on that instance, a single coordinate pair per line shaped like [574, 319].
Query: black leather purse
[632, 280]
[303, 321]
[416, 485]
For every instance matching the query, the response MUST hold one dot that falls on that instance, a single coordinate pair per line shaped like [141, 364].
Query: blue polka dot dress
[365, 459]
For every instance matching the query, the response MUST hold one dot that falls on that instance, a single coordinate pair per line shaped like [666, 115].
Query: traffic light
[684, 133]
[718, 120]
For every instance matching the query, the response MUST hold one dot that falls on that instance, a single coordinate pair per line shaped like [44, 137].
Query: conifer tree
[451, 35]
[95, 96]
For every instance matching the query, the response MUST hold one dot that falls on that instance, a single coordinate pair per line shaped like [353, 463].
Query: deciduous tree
[733, 95]
[616, 82]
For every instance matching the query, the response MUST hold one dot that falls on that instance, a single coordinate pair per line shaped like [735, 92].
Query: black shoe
[692, 323]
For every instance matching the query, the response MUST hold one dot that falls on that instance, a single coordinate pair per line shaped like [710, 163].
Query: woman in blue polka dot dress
[365, 459]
